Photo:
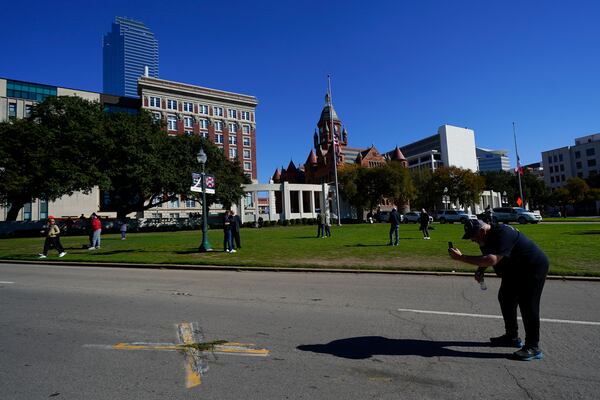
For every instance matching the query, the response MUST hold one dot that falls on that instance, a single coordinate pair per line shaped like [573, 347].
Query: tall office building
[127, 49]
[492, 160]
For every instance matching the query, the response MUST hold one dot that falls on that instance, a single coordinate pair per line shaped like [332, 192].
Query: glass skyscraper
[127, 49]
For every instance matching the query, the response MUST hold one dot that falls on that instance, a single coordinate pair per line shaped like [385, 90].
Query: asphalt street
[328, 336]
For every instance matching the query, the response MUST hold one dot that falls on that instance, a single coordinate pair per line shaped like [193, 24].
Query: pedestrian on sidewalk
[227, 232]
[52, 239]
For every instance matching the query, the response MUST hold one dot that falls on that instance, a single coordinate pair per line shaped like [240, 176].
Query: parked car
[414, 217]
[515, 214]
[452, 216]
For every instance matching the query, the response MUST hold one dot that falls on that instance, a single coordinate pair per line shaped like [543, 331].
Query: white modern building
[451, 146]
[581, 160]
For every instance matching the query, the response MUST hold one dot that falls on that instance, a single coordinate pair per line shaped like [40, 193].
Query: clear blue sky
[400, 68]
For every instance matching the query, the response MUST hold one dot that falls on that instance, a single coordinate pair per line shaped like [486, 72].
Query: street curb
[184, 267]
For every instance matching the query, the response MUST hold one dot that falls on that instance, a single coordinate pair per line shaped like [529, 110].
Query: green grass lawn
[573, 249]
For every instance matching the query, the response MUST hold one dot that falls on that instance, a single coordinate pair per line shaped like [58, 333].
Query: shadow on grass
[595, 232]
[359, 348]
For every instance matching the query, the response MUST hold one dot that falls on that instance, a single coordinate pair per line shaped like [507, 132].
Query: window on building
[28, 109]
[27, 212]
[29, 91]
[560, 157]
[233, 152]
[12, 110]
[562, 178]
[551, 179]
[156, 116]
[189, 133]
[231, 113]
[549, 159]
[232, 139]
[219, 138]
[246, 129]
[204, 134]
[154, 101]
[174, 203]
[190, 203]
[218, 111]
[247, 166]
[555, 158]
[245, 115]
[156, 215]
[562, 167]
[43, 208]
[577, 154]
[232, 127]
[590, 152]
[591, 162]
[551, 169]
[246, 141]
[188, 107]
[172, 123]
[203, 124]
[219, 126]
[174, 215]
[246, 154]
[580, 174]
[188, 122]
[577, 164]
[172, 104]
[203, 109]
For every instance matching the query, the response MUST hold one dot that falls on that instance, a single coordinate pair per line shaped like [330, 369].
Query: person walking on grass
[96, 232]
[52, 239]
[320, 229]
[394, 227]
[227, 232]
[327, 223]
[523, 268]
[424, 220]
[123, 229]
[235, 230]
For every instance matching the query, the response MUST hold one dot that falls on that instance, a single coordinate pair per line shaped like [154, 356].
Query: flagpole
[335, 157]
[518, 165]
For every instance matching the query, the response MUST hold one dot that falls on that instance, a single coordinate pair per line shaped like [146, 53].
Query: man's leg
[47, 242]
[391, 242]
[529, 304]
[507, 297]
[396, 235]
[57, 244]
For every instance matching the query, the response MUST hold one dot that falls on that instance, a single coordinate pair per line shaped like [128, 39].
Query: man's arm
[484, 261]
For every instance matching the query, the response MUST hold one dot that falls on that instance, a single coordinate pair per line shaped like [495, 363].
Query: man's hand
[479, 274]
[455, 254]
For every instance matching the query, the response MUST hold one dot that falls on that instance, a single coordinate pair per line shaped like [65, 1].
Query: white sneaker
[226, 251]
[64, 253]
[92, 248]
[233, 251]
[428, 238]
[41, 256]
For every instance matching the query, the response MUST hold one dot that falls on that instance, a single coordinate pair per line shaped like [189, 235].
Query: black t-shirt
[518, 251]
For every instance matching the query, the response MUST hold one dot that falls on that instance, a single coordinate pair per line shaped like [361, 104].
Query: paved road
[330, 336]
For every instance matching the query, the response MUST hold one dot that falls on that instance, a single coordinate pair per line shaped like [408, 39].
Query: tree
[51, 153]
[426, 195]
[144, 167]
[399, 183]
[464, 186]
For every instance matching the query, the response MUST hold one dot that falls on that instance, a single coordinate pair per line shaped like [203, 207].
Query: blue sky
[399, 68]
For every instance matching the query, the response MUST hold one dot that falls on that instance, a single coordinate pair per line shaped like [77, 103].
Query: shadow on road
[358, 348]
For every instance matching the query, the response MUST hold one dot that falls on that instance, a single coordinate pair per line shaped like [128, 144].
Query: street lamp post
[205, 246]
[504, 198]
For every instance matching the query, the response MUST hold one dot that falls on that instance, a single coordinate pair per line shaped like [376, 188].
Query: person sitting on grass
[52, 239]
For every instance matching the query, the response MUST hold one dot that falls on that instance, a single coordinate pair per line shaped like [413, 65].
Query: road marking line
[192, 346]
[5, 283]
[560, 321]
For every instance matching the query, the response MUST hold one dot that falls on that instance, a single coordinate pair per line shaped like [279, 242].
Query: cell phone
[450, 245]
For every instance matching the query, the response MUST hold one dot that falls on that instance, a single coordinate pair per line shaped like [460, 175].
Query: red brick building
[228, 119]
[318, 167]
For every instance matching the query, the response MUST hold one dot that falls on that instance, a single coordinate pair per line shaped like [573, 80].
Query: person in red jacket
[97, 231]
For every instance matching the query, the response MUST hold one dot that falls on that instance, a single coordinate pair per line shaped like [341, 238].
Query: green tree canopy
[51, 153]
